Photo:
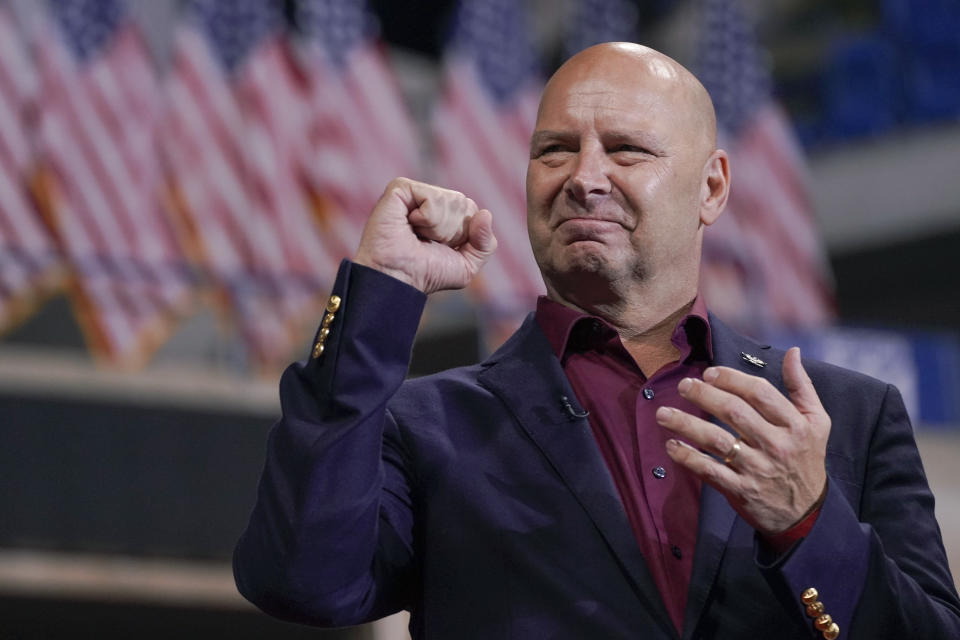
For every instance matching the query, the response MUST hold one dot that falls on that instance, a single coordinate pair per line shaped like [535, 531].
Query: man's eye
[553, 148]
[630, 148]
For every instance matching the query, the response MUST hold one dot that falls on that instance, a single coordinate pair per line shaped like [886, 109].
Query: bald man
[625, 466]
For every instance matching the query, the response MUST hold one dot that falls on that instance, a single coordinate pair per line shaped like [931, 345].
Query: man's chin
[584, 264]
[586, 255]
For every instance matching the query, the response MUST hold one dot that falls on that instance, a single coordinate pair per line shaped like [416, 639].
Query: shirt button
[659, 472]
[648, 393]
[677, 553]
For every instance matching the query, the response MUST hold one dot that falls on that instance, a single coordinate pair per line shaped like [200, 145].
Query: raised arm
[330, 538]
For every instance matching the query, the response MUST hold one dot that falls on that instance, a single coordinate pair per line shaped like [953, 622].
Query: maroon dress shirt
[661, 499]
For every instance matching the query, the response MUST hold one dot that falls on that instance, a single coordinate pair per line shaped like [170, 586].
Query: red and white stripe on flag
[482, 149]
[30, 268]
[361, 134]
[482, 127]
[97, 142]
[768, 235]
[361, 137]
[787, 282]
[764, 262]
[231, 152]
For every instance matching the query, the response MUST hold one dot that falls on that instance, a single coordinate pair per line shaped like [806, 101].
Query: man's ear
[715, 187]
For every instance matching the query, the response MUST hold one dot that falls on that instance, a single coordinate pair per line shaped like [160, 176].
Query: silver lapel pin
[754, 360]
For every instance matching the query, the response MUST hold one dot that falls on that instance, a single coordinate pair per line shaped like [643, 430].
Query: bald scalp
[627, 62]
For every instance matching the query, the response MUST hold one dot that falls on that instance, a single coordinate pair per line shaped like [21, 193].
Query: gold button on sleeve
[831, 632]
[815, 609]
[809, 596]
[333, 304]
[318, 349]
[324, 333]
[823, 622]
[327, 320]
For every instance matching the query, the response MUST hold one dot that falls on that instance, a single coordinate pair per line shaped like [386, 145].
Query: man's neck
[645, 326]
[654, 348]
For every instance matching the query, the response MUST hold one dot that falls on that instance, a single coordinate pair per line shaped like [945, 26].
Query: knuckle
[759, 391]
[735, 412]
[799, 427]
[777, 451]
[750, 492]
[711, 474]
[722, 443]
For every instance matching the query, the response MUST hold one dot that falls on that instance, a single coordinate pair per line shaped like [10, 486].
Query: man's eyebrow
[547, 134]
[644, 137]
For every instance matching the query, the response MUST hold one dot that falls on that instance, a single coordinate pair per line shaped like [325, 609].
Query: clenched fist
[429, 237]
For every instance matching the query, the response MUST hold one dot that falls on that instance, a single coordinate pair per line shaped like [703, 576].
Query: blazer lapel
[526, 375]
[716, 515]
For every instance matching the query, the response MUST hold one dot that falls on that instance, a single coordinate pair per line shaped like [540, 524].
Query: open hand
[777, 473]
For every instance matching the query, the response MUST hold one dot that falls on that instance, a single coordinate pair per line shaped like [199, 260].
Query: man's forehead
[624, 57]
[617, 76]
[612, 96]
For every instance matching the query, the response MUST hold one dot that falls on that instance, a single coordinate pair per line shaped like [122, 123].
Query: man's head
[623, 175]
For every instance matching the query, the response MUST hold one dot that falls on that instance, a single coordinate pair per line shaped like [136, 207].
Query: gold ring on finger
[732, 453]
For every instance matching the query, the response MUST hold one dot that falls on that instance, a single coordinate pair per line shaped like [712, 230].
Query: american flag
[764, 262]
[360, 135]
[482, 131]
[237, 113]
[596, 21]
[98, 110]
[30, 268]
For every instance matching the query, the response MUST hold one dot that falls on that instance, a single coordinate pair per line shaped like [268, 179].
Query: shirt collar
[692, 335]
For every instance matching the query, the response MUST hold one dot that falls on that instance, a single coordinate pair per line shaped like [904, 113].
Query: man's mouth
[575, 229]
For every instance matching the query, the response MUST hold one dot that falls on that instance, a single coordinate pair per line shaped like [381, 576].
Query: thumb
[481, 243]
[798, 384]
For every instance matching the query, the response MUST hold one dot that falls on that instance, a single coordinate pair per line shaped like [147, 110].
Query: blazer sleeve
[877, 563]
[330, 539]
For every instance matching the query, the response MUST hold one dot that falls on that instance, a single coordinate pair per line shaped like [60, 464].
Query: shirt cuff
[782, 542]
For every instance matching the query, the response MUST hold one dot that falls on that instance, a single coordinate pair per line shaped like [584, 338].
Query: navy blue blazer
[473, 499]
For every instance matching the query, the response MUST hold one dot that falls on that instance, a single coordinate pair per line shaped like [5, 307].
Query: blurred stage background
[178, 181]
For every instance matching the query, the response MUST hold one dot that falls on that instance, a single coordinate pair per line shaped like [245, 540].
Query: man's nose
[589, 174]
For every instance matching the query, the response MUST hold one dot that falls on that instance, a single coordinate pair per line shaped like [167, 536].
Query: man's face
[616, 174]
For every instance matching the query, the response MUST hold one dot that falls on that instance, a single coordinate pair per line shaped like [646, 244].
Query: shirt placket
[655, 469]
